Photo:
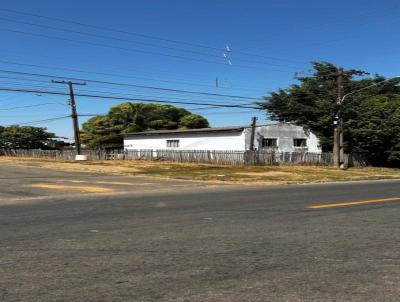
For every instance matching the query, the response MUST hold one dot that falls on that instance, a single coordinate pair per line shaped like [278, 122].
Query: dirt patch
[269, 173]
[214, 173]
[90, 167]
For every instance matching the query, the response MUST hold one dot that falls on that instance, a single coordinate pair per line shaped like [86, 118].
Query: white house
[282, 137]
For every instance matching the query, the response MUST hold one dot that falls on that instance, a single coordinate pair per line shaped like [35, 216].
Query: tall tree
[106, 131]
[24, 137]
[193, 121]
[369, 117]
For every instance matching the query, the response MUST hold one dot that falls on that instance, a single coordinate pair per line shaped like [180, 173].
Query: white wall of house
[188, 141]
[284, 133]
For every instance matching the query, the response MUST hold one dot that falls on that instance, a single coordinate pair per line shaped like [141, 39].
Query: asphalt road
[202, 243]
[20, 184]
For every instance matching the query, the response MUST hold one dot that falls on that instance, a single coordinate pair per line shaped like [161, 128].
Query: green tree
[370, 117]
[24, 137]
[106, 131]
[374, 129]
[193, 121]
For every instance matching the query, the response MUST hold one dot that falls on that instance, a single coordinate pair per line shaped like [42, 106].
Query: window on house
[270, 142]
[300, 142]
[172, 143]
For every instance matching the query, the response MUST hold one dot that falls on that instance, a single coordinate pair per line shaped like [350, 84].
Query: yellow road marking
[91, 189]
[98, 182]
[352, 203]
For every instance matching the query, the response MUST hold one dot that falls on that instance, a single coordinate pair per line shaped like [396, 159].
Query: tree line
[371, 117]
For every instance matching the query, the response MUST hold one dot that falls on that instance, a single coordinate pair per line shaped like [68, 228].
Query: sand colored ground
[205, 172]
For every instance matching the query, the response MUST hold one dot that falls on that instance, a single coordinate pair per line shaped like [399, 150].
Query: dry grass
[205, 172]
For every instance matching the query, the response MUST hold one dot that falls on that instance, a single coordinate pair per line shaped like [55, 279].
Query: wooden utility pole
[338, 151]
[74, 114]
[338, 136]
[253, 132]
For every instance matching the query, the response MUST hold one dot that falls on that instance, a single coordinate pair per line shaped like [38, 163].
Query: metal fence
[257, 158]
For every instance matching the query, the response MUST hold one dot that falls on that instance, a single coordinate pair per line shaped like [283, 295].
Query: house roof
[200, 130]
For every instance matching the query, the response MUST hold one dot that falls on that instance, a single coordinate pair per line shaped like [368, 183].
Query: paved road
[213, 244]
[25, 184]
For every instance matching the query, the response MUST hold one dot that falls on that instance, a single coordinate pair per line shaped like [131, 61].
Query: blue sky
[269, 41]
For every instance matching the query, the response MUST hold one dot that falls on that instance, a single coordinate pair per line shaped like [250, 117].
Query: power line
[206, 79]
[28, 106]
[103, 73]
[14, 116]
[110, 93]
[45, 120]
[128, 67]
[125, 99]
[107, 37]
[115, 47]
[203, 108]
[103, 114]
[109, 29]
[122, 95]
[133, 85]
[109, 46]
[210, 113]
[143, 43]
[132, 49]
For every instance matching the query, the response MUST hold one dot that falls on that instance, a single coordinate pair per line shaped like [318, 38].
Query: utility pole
[338, 150]
[338, 137]
[253, 132]
[74, 114]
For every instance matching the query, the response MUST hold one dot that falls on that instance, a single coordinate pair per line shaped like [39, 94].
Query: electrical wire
[133, 50]
[45, 120]
[133, 85]
[107, 37]
[110, 93]
[102, 73]
[135, 69]
[123, 98]
[28, 106]
[109, 29]
[142, 43]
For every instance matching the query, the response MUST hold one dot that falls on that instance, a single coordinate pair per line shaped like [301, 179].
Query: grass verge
[206, 172]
